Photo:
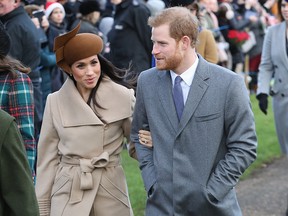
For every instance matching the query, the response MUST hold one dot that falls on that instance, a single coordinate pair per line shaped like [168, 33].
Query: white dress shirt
[187, 78]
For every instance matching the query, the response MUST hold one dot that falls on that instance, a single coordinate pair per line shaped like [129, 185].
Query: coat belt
[87, 166]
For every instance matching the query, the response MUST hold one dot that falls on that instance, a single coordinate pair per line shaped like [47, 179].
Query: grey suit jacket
[195, 163]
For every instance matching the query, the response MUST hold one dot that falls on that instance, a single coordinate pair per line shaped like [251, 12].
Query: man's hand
[263, 102]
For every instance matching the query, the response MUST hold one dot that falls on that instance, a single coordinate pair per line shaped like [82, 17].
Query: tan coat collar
[117, 100]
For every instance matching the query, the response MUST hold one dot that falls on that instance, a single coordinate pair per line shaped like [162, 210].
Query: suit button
[283, 95]
[280, 80]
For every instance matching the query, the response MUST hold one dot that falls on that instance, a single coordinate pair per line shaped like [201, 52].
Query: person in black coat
[26, 48]
[130, 36]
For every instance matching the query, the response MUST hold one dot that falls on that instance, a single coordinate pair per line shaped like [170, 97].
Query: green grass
[268, 149]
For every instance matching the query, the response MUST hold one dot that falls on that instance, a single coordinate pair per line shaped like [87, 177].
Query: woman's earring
[70, 74]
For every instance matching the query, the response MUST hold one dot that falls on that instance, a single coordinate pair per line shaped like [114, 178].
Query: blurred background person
[231, 18]
[209, 9]
[130, 36]
[274, 66]
[25, 47]
[90, 17]
[55, 14]
[253, 8]
[16, 96]
[48, 59]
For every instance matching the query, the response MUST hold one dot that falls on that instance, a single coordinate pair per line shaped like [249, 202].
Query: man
[25, 47]
[17, 195]
[129, 38]
[198, 157]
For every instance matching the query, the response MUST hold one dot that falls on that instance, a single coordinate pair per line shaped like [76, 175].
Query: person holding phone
[48, 58]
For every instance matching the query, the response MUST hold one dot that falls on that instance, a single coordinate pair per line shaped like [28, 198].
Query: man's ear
[186, 41]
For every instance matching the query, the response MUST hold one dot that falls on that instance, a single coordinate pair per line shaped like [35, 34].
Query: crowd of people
[84, 78]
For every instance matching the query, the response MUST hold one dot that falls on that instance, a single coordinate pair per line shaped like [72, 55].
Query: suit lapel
[196, 92]
[165, 97]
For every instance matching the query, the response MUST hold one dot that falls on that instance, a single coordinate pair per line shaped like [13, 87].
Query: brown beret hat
[72, 47]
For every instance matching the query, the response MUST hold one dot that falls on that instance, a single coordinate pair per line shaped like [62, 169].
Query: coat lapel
[165, 97]
[196, 92]
[73, 109]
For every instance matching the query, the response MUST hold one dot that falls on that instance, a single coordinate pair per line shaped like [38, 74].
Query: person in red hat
[79, 169]
[55, 13]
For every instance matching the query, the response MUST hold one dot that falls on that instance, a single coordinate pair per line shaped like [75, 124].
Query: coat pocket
[207, 117]
[115, 191]
[60, 194]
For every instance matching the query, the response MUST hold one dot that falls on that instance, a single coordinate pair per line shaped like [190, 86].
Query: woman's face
[57, 16]
[86, 72]
[284, 9]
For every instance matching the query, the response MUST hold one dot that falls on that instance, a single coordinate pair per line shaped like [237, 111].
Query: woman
[16, 96]
[55, 13]
[274, 65]
[79, 170]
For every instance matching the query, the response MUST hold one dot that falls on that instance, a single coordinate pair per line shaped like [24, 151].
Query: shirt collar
[188, 75]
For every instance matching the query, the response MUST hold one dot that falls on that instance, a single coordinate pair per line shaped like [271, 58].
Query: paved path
[265, 193]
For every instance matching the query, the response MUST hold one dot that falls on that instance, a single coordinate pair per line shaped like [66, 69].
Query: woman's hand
[145, 138]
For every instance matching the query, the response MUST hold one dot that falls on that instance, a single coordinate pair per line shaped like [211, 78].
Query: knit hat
[50, 6]
[89, 6]
[72, 47]
[5, 41]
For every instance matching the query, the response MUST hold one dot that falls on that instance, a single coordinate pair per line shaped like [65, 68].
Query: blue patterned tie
[178, 96]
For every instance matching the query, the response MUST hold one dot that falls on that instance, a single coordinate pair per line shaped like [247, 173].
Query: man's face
[6, 6]
[166, 49]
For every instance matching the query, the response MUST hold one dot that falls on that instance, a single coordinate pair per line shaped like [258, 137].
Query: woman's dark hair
[279, 5]
[123, 77]
[11, 65]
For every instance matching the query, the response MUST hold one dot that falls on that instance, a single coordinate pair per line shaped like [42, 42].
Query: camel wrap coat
[79, 170]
